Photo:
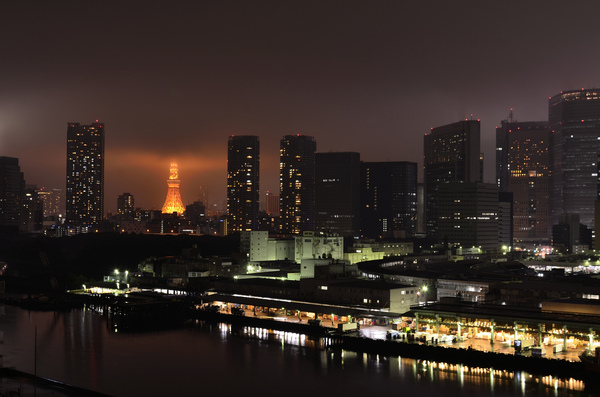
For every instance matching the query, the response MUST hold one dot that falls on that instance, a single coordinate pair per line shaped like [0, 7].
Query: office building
[505, 220]
[337, 193]
[468, 215]
[173, 203]
[574, 119]
[297, 183]
[388, 199]
[85, 174]
[12, 193]
[451, 154]
[243, 173]
[523, 168]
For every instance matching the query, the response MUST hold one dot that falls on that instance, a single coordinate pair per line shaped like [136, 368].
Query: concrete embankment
[440, 353]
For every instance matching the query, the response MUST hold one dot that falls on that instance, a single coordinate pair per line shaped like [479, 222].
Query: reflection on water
[221, 359]
[486, 381]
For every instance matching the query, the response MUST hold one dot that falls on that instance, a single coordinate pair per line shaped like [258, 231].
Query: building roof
[458, 308]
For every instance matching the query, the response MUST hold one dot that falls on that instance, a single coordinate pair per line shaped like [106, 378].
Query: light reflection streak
[495, 378]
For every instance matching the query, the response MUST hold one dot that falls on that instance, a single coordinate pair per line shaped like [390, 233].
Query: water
[77, 348]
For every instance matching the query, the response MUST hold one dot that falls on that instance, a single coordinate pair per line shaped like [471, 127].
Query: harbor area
[380, 328]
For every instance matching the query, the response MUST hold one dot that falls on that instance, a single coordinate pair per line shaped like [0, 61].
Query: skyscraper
[243, 173]
[12, 193]
[388, 199]
[173, 203]
[337, 193]
[297, 183]
[574, 119]
[523, 168]
[452, 154]
[85, 173]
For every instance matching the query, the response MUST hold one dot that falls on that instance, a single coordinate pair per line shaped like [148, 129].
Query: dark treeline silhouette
[76, 259]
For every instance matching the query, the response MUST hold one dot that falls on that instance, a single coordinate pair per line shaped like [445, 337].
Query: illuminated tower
[85, 173]
[173, 202]
[297, 183]
[243, 172]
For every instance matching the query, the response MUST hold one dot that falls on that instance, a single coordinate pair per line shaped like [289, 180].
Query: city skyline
[173, 84]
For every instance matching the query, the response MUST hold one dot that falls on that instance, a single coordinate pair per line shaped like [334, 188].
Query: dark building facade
[451, 154]
[523, 168]
[468, 214]
[574, 120]
[297, 183]
[32, 210]
[505, 219]
[570, 236]
[12, 193]
[125, 206]
[243, 174]
[85, 174]
[388, 204]
[337, 193]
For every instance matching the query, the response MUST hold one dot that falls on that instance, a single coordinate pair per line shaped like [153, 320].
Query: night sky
[172, 80]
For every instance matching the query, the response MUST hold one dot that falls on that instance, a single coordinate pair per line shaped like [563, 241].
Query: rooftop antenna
[510, 115]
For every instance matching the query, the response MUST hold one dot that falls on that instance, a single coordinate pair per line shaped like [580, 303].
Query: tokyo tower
[173, 202]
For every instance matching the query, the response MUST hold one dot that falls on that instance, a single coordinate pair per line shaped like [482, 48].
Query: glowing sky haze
[172, 80]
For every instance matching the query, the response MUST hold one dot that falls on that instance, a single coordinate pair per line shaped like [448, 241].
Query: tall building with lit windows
[574, 120]
[297, 183]
[243, 172]
[523, 168]
[388, 199]
[85, 174]
[451, 154]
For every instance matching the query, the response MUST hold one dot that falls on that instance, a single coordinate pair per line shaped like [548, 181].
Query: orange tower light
[173, 202]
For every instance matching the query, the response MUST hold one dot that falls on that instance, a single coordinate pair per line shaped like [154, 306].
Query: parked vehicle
[347, 327]
[238, 311]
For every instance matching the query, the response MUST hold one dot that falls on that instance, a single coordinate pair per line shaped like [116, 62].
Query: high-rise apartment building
[272, 203]
[125, 206]
[297, 183]
[53, 201]
[85, 174]
[523, 168]
[452, 154]
[243, 173]
[32, 210]
[388, 199]
[574, 120]
[12, 193]
[337, 193]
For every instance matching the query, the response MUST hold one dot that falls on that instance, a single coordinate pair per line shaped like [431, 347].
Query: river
[76, 347]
